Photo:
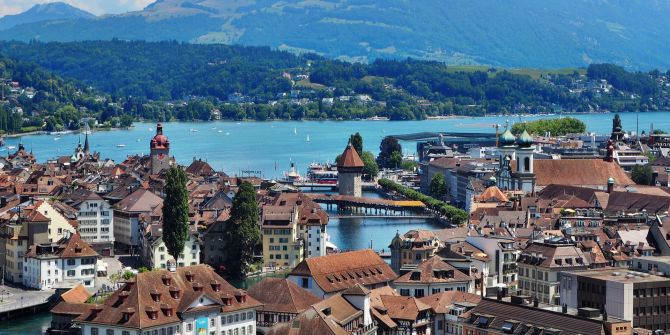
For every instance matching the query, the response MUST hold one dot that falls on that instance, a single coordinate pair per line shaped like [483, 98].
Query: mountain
[504, 33]
[45, 12]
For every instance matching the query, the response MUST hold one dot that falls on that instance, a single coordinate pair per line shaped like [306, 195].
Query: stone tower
[349, 171]
[525, 173]
[160, 151]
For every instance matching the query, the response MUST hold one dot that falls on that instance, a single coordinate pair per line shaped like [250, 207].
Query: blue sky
[97, 7]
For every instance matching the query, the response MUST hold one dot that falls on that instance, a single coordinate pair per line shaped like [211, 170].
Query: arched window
[526, 164]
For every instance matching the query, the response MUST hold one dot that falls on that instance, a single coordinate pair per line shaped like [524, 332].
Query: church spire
[86, 147]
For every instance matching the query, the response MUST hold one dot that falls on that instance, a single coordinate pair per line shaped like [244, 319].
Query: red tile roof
[337, 272]
[350, 158]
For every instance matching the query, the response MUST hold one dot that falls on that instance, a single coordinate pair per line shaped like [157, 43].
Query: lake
[270, 147]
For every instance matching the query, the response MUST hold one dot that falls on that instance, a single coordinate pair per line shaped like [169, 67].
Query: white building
[155, 253]
[502, 255]
[433, 276]
[69, 260]
[95, 219]
[190, 301]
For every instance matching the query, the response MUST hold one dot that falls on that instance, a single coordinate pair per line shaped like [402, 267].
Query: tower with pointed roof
[506, 154]
[159, 151]
[349, 172]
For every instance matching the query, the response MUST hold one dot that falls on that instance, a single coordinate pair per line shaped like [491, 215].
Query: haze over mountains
[45, 12]
[509, 33]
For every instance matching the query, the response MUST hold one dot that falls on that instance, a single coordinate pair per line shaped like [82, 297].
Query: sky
[97, 7]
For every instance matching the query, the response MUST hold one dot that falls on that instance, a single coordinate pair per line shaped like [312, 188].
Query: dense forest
[118, 81]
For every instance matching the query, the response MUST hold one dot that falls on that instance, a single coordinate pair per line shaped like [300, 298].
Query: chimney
[610, 185]
[564, 308]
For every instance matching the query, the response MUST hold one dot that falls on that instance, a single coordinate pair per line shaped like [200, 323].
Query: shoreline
[428, 118]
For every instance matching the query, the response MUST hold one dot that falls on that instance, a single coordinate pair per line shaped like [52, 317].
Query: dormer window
[189, 276]
[127, 313]
[167, 280]
[416, 275]
[167, 310]
[155, 295]
[152, 312]
[216, 286]
[174, 293]
[197, 287]
[227, 299]
[241, 296]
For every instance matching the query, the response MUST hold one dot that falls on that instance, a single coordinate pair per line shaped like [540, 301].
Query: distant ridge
[44, 12]
[500, 33]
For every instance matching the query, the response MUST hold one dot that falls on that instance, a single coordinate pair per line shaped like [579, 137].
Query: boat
[11, 147]
[295, 131]
[220, 131]
[56, 138]
[193, 130]
[307, 138]
[120, 145]
[292, 176]
[227, 134]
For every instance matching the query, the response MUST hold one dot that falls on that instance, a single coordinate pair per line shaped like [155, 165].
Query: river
[270, 147]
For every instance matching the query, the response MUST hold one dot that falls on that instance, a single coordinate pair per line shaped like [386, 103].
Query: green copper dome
[525, 140]
[507, 138]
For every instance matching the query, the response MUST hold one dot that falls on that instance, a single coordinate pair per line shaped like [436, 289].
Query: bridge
[363, 206]
[426, 136]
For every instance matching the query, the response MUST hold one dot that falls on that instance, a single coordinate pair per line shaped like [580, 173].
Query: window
[237, 318]
[70, 273]
[250, 329]
[250, 315]
[418, 293]
[94, 331]
[70, 262]
[305, 282]
[223, 320]
[109, 332]
[211, 322]
[125, 332]
[244, 316]
[230, 319]
[189, 327]
[404, 292]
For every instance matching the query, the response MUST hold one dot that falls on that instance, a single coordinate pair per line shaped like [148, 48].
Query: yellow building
[293, 228]
[21, 227]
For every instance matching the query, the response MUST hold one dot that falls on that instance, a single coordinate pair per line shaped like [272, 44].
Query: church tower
[160, 151]
[525, 174]
[507, 153]
[349, 172]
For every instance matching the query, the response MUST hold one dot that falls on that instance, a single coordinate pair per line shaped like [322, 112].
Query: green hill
[502, 33]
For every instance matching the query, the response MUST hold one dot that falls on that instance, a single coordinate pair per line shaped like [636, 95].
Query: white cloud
[97, 7]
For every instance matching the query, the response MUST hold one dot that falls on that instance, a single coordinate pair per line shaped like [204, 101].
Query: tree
[370, 168]
[357, 142]
[388, 146]
[642, 175]
[396, 159]
[242, 234]
[438, 186]
[175, 212]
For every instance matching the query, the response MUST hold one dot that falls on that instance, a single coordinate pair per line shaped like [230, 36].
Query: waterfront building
[433, 276]
[447, 307]
[155, 254]
[160, 151]
[95, 219]
[70, 260]
[191, 300]
[293, 228]
[59, 223]
[658, 265]
[640, 298]
[21, 227]
[412, 248]
[129, 212]
[540, 266]
[347, 312]
[517, 317]
[325, 276]
[349, 172]
[282, 301]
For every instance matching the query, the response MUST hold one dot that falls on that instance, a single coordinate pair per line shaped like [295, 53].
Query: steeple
[86, 147]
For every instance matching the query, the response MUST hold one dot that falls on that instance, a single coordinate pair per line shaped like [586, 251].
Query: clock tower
[160, 151]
